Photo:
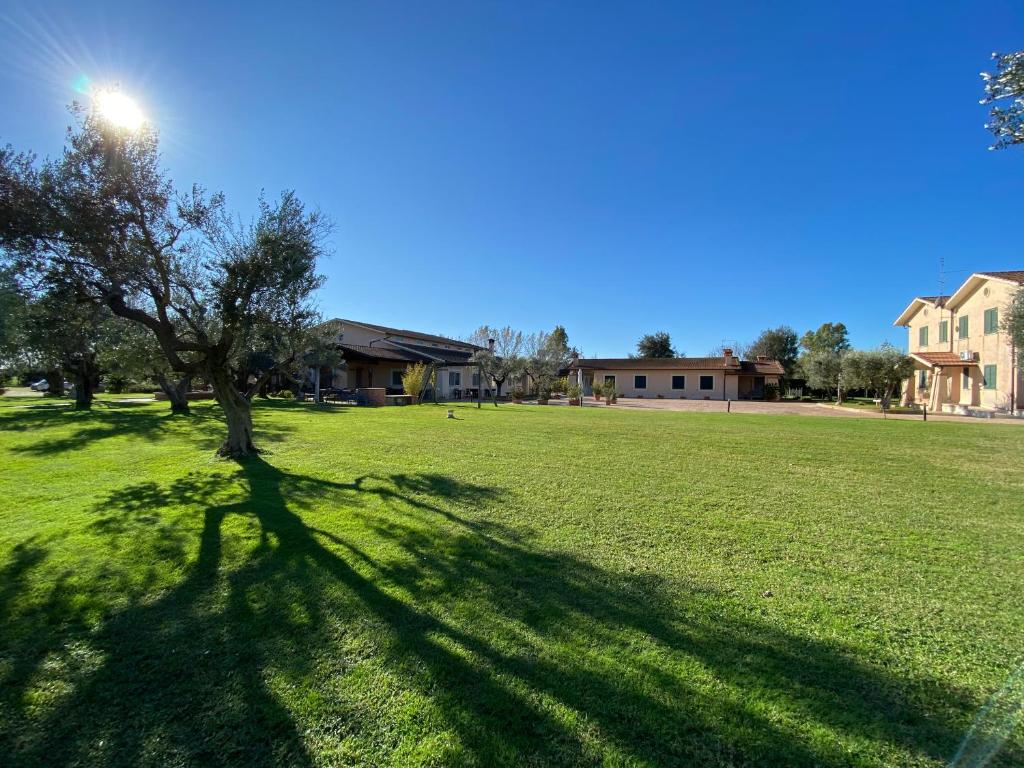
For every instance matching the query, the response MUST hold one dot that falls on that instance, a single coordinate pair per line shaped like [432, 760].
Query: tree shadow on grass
[78, 429]
[517, 655]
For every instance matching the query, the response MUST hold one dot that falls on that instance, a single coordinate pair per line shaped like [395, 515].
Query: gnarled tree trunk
[177, 392]
[237, 412]
[87, 377]
[55, 383]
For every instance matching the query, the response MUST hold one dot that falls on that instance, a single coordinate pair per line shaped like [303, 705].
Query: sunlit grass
[521, 585]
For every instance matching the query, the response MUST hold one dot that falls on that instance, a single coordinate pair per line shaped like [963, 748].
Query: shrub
[771, 391]
[560, 386]
[573, 391]
[517, 394]
[414, 379]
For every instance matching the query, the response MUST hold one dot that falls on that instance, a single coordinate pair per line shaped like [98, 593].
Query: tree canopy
[829, 337]
[777, 344]
[506, 359]
[1005, 84]
[657, 344]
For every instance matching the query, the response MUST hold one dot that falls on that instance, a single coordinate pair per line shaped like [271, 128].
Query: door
[758, 392]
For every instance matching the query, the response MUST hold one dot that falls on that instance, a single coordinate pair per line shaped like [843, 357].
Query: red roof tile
[1013, 275]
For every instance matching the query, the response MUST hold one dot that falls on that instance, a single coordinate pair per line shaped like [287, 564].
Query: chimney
[490, 345]
[727, 352]
[763, 358]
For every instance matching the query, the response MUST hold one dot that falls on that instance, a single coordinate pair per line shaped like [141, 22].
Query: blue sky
[620, 168]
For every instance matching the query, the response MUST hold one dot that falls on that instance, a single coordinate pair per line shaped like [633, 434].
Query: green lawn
[519, 586]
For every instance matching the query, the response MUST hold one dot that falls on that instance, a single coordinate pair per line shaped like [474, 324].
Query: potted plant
[517, 396]
[611, 397]
[575, 394]
[598, 389]
[543, 395]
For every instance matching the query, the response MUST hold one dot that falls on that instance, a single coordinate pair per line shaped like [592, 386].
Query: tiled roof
[1013, 275]
[384, 353]
[941, 359]
[769, 367]
[448, 355]
[385, 330]
[762, 367]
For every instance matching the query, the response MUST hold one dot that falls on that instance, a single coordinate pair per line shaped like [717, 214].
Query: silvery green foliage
[1006, 83]
[1013, 323]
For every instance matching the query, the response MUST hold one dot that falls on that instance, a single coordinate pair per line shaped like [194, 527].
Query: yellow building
[964, 360]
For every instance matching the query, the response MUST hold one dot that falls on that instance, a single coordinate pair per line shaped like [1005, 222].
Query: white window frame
[678, 376]
[639, 376]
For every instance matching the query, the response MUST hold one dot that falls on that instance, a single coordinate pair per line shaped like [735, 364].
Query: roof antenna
[942, 276]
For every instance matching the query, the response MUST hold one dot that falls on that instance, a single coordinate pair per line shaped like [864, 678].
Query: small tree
[657, 344]
[881, 370]
[1013, 324]
[415, 379]
[545, 355]
[823, 370]
[505, 359]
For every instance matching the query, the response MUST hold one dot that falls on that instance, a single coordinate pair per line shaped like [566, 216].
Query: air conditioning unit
[968, 356]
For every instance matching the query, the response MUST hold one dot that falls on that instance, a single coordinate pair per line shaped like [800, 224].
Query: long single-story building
[695, 378]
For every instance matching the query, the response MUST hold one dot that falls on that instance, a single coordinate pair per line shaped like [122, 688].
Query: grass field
[519, 586]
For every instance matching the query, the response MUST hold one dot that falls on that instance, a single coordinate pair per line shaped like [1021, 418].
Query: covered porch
[943, 381]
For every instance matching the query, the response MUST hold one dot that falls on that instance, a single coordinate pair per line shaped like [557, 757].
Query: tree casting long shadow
[518, 655]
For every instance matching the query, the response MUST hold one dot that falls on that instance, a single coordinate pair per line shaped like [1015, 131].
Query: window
[707, 382]
[476, 379]
[990, 377]
[454, 378]
[962, 327]
[965, 379]
[944, 330]
[922, 336]
[922, 379]
[396, 378]
[639, 382]
[991, 320]
[609, 379]
[678, 382]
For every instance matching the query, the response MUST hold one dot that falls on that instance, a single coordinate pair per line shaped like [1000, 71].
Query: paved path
[781, 408]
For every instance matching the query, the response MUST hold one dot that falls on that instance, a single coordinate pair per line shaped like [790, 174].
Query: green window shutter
[991, 320]
[944, 330]
[922, 336]
[990, 377]
[963, 328]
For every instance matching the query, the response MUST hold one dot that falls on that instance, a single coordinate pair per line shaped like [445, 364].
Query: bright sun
[118, 109]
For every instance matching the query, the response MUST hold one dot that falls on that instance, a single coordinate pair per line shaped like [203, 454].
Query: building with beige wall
[964, 359]
[694, 378]
[376, 356]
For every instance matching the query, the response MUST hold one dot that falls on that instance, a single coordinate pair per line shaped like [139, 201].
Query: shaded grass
[522, 585]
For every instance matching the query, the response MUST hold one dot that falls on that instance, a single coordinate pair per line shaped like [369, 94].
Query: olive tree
[881, 370]
[1006, 84]
[506, 357]
[202, 283]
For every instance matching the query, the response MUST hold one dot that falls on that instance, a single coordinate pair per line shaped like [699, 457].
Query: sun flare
[118, 109]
